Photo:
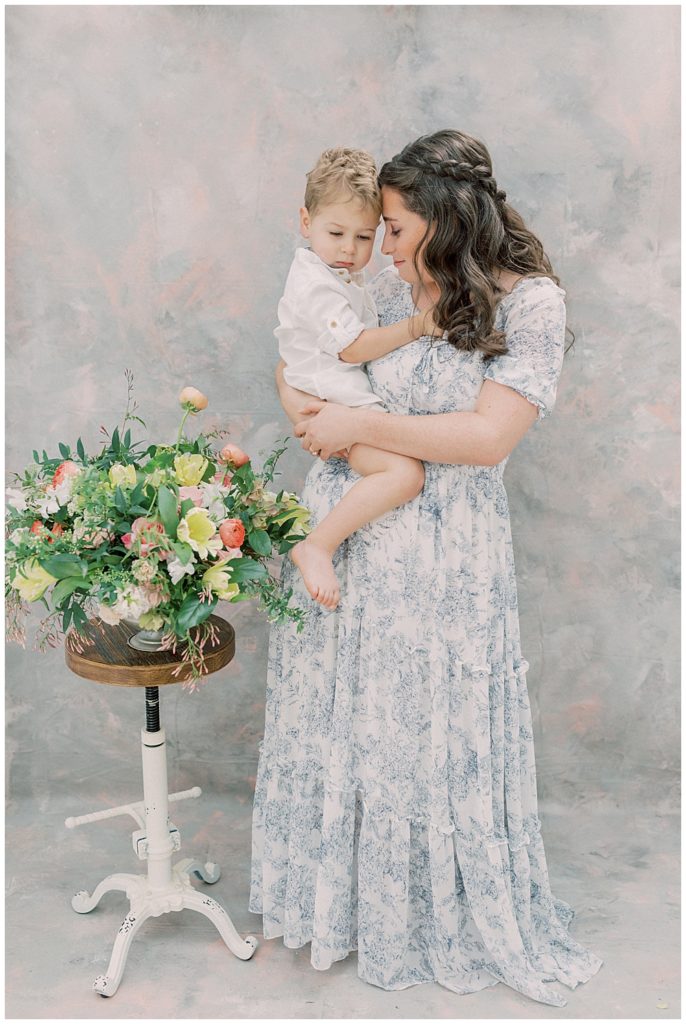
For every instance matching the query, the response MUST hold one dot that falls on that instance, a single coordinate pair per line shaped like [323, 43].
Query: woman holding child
[395, 806]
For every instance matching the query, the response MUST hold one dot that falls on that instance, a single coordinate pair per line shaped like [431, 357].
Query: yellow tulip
[189, 469]
[122, 476]
[34, 581]
[197, 529]
[217, 579]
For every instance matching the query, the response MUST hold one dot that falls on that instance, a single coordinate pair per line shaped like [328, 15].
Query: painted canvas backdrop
[156, 162]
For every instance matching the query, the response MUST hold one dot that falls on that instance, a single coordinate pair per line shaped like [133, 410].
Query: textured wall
[156, 160]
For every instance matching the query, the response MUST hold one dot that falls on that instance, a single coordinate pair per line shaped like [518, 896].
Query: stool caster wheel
[252, 942]
[100, 986]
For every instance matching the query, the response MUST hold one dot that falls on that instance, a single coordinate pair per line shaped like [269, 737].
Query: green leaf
[186, 505]
[137, 493]
[66, 618]
[127, 438]
[119, 499]
[192, 612]
[61, 591]
[282, 517]
[36, 457]
[115, 443]
[65, 450]
[166, 502]
[245, 569]
[80, 617]
[80, 450]
[184, 551]
[259, 541]
[63, 566]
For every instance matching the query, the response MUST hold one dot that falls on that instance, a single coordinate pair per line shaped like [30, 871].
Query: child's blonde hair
[340, 171]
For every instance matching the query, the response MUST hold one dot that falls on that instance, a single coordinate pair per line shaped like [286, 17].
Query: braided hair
[447, 178]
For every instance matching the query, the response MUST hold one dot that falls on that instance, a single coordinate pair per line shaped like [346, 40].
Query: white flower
[132, 603]
[48, 503]
[63, 490]
[109, 615]
[21, 534]
[212, 499]
[15, 498]
[177, 569]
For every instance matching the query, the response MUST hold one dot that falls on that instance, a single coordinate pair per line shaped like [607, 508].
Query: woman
[395, 806]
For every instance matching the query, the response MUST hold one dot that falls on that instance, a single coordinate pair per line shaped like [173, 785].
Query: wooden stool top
[109, 659]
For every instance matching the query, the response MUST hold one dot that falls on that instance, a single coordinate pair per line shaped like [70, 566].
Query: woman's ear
[304, 222]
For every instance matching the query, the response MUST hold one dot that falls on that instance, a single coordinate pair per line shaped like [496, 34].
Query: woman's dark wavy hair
[447, 178]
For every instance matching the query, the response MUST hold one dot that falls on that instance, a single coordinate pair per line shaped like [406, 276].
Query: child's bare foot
[316, 569]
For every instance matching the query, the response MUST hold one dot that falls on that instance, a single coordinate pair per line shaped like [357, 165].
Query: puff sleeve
[535, 335]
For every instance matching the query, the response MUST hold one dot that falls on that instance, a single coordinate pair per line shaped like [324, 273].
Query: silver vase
[149, 640]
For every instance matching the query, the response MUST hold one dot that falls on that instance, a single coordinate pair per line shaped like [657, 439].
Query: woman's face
[404, 231]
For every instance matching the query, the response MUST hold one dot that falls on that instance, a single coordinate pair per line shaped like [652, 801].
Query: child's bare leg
[388, 480]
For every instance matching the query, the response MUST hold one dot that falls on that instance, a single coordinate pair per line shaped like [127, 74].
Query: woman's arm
[379, 341]
[482, 437]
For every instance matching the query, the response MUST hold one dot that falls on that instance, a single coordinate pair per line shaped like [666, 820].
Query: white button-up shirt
[323, 310]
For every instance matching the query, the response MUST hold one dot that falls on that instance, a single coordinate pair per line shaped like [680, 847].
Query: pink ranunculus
[147, 532]
[194, 493]
[127, 540]
[232, 533]
[223, 478]
[234, 455]
[64, 470]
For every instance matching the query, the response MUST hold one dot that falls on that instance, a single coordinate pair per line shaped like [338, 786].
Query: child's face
[341, 234]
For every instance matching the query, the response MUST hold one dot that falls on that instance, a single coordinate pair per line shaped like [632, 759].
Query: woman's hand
[329, 429]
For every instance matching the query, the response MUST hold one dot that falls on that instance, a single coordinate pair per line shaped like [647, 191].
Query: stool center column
[156, 795]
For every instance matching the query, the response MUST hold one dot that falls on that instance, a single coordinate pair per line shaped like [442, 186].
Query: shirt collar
[357, 277]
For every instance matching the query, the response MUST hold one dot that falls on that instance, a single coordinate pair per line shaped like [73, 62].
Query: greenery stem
[185, 417]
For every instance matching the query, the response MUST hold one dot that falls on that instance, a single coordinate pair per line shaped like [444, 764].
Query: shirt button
[333, 324]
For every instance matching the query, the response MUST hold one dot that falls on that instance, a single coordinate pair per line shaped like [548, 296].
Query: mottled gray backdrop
[156, 162]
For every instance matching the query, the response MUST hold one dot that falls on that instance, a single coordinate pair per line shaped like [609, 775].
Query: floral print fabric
[395, 808]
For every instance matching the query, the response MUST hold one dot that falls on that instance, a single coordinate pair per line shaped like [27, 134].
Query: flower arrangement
[156, 536]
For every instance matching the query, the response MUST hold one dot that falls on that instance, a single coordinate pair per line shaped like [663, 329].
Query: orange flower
[234, 455]
[64, 470]
[232, 533]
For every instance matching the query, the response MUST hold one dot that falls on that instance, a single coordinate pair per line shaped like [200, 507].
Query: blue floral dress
[395, 807]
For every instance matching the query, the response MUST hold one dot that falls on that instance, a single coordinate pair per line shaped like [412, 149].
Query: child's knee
[415, 476]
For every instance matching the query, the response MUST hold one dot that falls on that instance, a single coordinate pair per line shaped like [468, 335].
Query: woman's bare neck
[425, 295]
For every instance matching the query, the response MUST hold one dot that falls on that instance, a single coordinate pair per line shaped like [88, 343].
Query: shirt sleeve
[535, 336]
[329, 313]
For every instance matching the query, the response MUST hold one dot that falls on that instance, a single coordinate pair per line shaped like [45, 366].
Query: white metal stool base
[164, 889]
[145, 903]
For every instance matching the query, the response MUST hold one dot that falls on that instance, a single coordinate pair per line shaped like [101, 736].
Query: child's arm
[322, 307]
[375, 342]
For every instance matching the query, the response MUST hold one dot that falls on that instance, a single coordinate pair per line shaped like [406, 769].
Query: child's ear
[304, 222]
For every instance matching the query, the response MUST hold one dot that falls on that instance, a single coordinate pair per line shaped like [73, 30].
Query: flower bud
[193, 397]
